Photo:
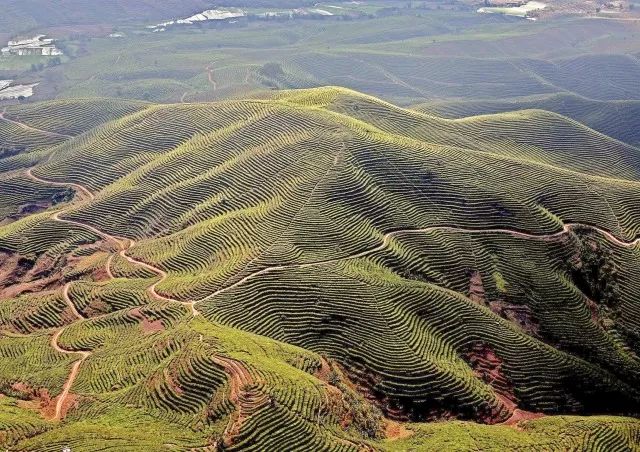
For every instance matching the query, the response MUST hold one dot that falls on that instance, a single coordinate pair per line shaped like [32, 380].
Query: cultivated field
[317, 268]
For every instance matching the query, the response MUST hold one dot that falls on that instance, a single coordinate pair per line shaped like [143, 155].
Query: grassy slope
[335, 171]
[439, 55]
[617, 119]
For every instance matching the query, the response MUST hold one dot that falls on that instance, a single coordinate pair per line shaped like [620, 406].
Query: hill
[402, 55]
[618, 119]
[317, 268]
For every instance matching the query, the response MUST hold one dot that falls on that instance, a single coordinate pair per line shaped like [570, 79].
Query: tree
[55, 61]
[271, 70]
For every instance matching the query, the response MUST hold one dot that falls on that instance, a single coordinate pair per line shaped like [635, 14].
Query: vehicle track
[122, 246]
[386, 239]
[210, 76]
[247, 402]
[62, 397]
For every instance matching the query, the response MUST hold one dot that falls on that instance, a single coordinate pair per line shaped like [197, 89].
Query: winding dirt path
[386, 239]
[63, 396]
[108, 267]
[85, 193]
[122, 245]
[210, 76]
[162, 274]
[30, 128]
[67, 299]
[247, 401]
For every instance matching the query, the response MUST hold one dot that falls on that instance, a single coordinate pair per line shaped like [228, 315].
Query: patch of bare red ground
[335, 403]
[244, 393]
[171, 381]
[520, 416]
[519, 315]
[148, 326]
[395, 430]
[37, 399]
[333, 395]
[487, 366]
[70, 402]
[95, 308]
[476, 289]
[517, 415]
[19, 275]
[362, 381]
[593, 309]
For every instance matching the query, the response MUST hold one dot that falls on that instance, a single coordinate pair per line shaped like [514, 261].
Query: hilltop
[317, 268]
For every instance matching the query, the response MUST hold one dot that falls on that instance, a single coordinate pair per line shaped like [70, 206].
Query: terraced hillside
[618, 119]
[407, 56]
[316, 270]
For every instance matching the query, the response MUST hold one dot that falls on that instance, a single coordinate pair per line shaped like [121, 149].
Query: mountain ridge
[410, 283]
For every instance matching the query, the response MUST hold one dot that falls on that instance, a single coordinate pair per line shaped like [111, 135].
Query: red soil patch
[70, 402]
[394, 430]
[520, 416]
[148, 326]
[171, 381]
[244, 393]
[323, 371]
[38, 399]
[593, 308]
[476, 289]
[96, 308]
[20, 274]
[488, 367]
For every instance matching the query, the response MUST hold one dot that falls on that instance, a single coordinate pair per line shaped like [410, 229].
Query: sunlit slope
[617, 119]
[275, 216]
[30, 133]
[392, 71]
[72, 116]
[532, 135]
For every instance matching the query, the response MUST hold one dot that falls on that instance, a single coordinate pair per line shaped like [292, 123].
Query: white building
[38, 45]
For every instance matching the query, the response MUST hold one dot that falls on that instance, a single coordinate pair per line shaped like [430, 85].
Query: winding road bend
[210, 76]
[245, 402]
[122, 245]
[386, 239]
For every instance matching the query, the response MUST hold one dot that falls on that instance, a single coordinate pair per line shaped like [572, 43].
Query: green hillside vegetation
[319, 269]
[617, 119]
[411, 56]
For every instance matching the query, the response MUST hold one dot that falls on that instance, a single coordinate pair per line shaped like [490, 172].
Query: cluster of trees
[55, 61]
[594, 272]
